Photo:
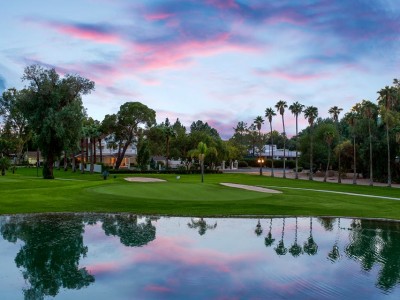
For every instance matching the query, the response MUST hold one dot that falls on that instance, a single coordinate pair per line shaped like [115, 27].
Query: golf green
[180, 191]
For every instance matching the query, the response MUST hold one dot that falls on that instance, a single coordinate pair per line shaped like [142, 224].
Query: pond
[123, 256]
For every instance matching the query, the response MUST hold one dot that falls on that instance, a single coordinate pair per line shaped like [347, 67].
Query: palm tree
[334, 111]
[280, 106]
[387, 101]
[328, 136]
[269, 113]
[202, 150]
[351, 118]
[258, 122]
[311, 113]
[296, 109]
[368, 111]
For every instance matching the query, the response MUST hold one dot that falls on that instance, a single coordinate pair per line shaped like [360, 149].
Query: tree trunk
[370, 154]
[82, 156]
[87, 149]
[297, 142]
[388, 154]
[327, 165]
[94, 151]
[272, 152]
[202, 170]
[284, 148]
[65, 161]
[121, 155]
[167, 153]
[73, 162]
[48, 172]
[354, 161]
[101, 151]
[92, 157]
[310, 177]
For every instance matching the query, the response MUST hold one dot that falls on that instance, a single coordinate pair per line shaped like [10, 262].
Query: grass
[23, 192]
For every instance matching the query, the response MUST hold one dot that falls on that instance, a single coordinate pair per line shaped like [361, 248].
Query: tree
[296, 109]
[351, 119]
[258, 123]
[168, 132]
[311, 113]
[127, 124]
[202, 151]
[334, 112]
[280, 106]
[328, 135]
[368, 110]
[387, 100]
[14, 121]
[54, 110]
[269, 113]
[4, 165]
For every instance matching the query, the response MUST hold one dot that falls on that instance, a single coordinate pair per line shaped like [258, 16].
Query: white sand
[251, 188]
[143, 179]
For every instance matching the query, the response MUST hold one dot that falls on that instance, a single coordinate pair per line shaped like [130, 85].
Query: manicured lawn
[23, 192]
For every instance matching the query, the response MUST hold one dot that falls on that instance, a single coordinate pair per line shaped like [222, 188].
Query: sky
[219, 61]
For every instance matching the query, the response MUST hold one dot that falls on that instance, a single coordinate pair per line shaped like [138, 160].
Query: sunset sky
[220, 61]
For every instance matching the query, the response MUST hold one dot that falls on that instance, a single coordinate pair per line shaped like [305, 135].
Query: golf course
[185, 195]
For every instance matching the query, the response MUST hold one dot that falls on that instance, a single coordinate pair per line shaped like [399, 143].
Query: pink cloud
[101, 268]
[293, 77]
[223, 4]
[158, 16]
[157, 288]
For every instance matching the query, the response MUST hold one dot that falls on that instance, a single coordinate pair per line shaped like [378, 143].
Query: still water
[122, 256]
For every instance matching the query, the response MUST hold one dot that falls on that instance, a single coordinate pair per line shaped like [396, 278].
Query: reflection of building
[279, 153]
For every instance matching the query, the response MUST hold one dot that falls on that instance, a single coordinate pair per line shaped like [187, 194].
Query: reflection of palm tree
[295, 249]
[201, 225]
[258, 229]
[334, 254]
[268, 239]
[310, 247]
[280, 249]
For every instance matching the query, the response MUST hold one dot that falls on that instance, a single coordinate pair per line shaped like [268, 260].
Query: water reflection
[120, 254]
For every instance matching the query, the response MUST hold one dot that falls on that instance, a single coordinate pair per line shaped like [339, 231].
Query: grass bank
[23, 192]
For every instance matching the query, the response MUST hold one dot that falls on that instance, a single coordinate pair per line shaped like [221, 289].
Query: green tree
[15, 123]
[54, 110]
[269, 113]
[280, 106]
[296, 109]
[311, 113]
[334, 112]
[127, 125]
[351, 120]
[4, 165]
[387, 100]
[329, 136]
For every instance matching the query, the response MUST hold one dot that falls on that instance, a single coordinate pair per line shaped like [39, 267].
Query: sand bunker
[144, 179]
[251, 188]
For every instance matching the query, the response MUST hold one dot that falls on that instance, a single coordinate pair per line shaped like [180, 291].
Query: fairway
[23, 192]
[181, 191]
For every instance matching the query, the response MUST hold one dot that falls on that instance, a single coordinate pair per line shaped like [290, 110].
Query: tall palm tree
[334, 111]
[296, 109]
[328, 136]
[351, 119]
[311, 113]
[368, 111]
[269, 113]
[202, 150]
[280, 106]
[258, 122]
[387, 101]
